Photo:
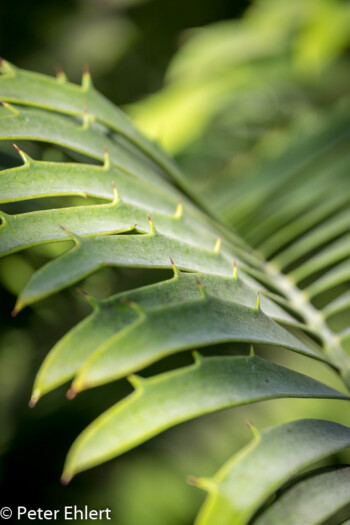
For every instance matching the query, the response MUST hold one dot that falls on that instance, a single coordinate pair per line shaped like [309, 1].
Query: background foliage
[250, 112]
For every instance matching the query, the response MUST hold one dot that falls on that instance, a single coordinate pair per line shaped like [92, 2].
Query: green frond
[251, 261]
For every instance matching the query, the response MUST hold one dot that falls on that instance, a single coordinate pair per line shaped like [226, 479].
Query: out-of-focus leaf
[311, 501]
[247, 480]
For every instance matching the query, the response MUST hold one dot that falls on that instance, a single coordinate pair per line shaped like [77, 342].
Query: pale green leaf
[310, 501]
[247, 480]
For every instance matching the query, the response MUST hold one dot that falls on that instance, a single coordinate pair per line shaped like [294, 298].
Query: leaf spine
[4, 218]
[235, 273]
[86, 82]
[73, 236]
[106, 159]
[134, 306]
[61, 77]
[217, 245]
[26, 159]
[90, 299]
[152, 229]
[256, 433]
[251, 351]
[257, 304]
[116, 197]
[136, 381]
[87, 119]
[175, 270]
[10, 107]
[198, 358]
[179, 210]
[201, 289]
[202, 483]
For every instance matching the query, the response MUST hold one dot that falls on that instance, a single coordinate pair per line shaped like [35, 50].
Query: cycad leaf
[112, 315]
[128, 331]
[30, 180]
[33, 89]
[247, 480]
[32, 124]
[209, 385]
[152, 250]
[169, 329]
[311, 501]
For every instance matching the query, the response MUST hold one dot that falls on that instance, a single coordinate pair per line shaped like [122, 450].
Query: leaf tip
[34, 398]
[71, 393]
[18, 307]
[66, 479]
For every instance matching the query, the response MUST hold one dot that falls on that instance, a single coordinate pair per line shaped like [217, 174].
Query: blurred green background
[228, 88]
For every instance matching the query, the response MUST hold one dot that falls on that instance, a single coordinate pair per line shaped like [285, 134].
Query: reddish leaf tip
[65, 479]
[71, 393]
[34, 399]
[32, 402]
[192, 480]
